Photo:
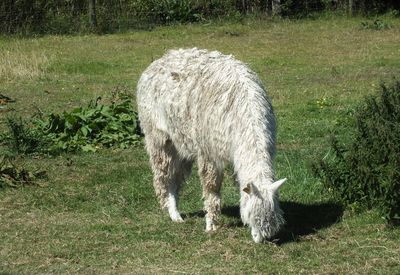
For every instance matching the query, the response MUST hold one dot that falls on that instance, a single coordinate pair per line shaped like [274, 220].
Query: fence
[71, 16]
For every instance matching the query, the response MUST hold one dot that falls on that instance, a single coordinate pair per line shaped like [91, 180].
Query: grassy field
[97, 212]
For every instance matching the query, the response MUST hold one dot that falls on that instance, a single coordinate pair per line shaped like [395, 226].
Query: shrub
[377, 24]
[175, 11]
[366, 173]
[22, 138]
[82, 129]
[96, 125]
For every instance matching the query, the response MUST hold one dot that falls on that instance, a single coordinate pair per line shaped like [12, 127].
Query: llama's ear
[248, 189]
[276, 185]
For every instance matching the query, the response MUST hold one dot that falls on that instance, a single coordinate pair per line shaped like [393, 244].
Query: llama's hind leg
[181, 169]
[211, 176]
[168, 175]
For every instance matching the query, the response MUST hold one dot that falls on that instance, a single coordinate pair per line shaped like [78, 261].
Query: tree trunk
[244, 6]
[276, 7]
[266, 7]
[272, 7]
[92, 13]
[350, 7]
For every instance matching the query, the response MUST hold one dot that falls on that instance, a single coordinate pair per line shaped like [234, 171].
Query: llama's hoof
[211, 228]
[177, 218]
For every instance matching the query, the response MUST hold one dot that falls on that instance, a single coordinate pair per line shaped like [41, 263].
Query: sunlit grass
[98, 212]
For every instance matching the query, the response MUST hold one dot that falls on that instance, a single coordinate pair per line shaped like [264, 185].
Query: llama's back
[203, 101]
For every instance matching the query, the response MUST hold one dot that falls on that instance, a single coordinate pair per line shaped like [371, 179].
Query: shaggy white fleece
[199, 105]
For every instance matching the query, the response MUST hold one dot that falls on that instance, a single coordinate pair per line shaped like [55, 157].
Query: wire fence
[56, 16]
[74, 16]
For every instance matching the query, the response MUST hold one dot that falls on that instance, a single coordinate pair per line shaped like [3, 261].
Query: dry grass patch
[19, 64]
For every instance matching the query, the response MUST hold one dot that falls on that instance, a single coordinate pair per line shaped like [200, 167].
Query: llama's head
[260, 210]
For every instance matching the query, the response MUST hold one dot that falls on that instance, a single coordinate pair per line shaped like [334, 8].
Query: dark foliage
[72, 16]
[22, 137]
[12, 175]
[366, 173]
[377, 24]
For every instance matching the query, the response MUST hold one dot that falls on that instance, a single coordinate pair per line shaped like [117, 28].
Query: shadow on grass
[306, 219]
[197, 214]
[301, 219]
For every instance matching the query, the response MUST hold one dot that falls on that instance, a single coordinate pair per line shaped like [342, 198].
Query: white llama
[199, 105]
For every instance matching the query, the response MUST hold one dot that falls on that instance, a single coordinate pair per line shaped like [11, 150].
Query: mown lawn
[97, 212]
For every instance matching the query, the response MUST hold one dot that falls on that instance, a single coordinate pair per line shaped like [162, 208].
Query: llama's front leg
[211, 178]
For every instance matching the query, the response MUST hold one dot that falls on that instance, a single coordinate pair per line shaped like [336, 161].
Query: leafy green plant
[175, 11]
[94, 126]
[366, 174]
[22, 137]
[377, 24]
[82, 129]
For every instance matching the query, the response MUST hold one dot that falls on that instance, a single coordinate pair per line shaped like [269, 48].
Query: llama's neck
[255, 141]
[254, 165]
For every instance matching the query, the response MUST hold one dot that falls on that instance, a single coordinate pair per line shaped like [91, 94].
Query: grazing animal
[199, 105]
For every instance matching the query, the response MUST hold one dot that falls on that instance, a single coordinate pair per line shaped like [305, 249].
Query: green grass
[97, 213]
